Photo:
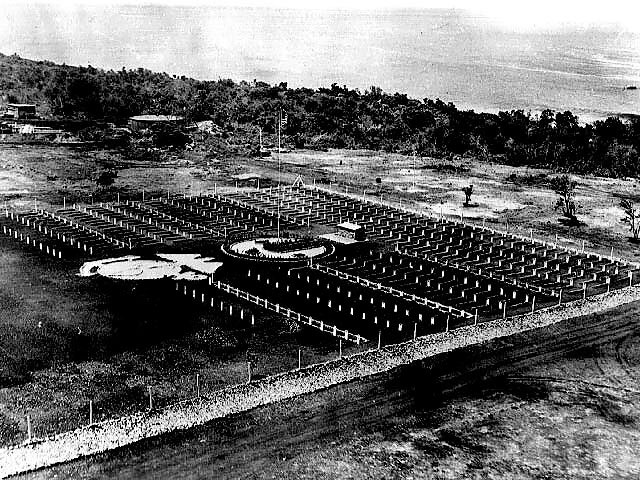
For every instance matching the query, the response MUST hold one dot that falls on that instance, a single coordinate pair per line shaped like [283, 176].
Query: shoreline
[124, 431]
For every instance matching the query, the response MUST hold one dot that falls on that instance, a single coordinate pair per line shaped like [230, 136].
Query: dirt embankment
[127, 430]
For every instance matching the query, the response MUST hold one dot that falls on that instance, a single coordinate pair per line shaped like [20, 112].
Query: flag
[283, 119]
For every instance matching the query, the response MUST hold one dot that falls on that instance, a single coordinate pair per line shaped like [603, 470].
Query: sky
[516, 14]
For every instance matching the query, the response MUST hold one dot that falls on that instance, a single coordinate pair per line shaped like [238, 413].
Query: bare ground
[566, 418]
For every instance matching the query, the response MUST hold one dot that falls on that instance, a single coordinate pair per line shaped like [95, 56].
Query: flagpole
[279, 171]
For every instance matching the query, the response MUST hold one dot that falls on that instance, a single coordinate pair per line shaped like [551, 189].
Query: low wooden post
[198, 385]
[533, 304]
[379, 339]
[248, 372]
[340, 348]
[90, 412]
[29, 432]
[560, 297]
[415, 331]
[150, 398]
[299, 358]
[504, 309]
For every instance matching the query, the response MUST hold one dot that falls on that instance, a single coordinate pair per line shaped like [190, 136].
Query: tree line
[334, 116]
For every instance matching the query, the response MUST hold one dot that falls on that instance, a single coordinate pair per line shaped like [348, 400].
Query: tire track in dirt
[622, 347]
[570, 385]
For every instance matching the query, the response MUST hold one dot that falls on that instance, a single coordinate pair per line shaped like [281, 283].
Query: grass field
[66, 340]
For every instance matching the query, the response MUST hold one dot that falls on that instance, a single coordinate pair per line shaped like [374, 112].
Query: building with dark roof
[20, 110]
[143, 122]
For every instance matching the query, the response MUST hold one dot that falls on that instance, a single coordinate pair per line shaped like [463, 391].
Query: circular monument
[280, 250]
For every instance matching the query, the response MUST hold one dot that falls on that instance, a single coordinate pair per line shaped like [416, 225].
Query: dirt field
[573, 418]
[435, 186]
[65, 339]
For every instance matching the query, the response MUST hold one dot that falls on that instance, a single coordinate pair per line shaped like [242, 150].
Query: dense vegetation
[331, 117]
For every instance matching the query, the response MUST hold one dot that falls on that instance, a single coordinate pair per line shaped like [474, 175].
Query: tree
[565, 187]
[467, 194]
[631, 217]
[106, 178]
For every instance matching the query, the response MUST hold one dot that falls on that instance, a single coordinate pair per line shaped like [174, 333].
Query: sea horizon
[451, 54]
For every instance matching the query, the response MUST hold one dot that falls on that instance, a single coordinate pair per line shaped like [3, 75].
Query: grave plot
[356, 307]
[249, 213]
[541, 268]
[448, 286]
[265, 204]
[220, 216]
[217, 224]
[529, 268]
[301, 204]
[66, 235]
[38, 234]
[115, 229]
[159, 229]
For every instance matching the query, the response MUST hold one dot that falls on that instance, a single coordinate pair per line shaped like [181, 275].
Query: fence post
[248, 372]
[299, 358]
[29, 433]
[340, 348]
[379, 338]
[150, 399]
[533, 304]
[90, 412]
[198, 385]
[415, 331]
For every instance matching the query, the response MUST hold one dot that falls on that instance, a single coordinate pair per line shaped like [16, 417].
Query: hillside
[336, 116]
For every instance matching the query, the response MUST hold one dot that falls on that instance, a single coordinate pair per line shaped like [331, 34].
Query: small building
[144, 122]
[248, 179]
[351, 230]
[20, 110]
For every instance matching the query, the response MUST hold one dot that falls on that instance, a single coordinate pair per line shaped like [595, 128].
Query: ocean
[470, 60]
